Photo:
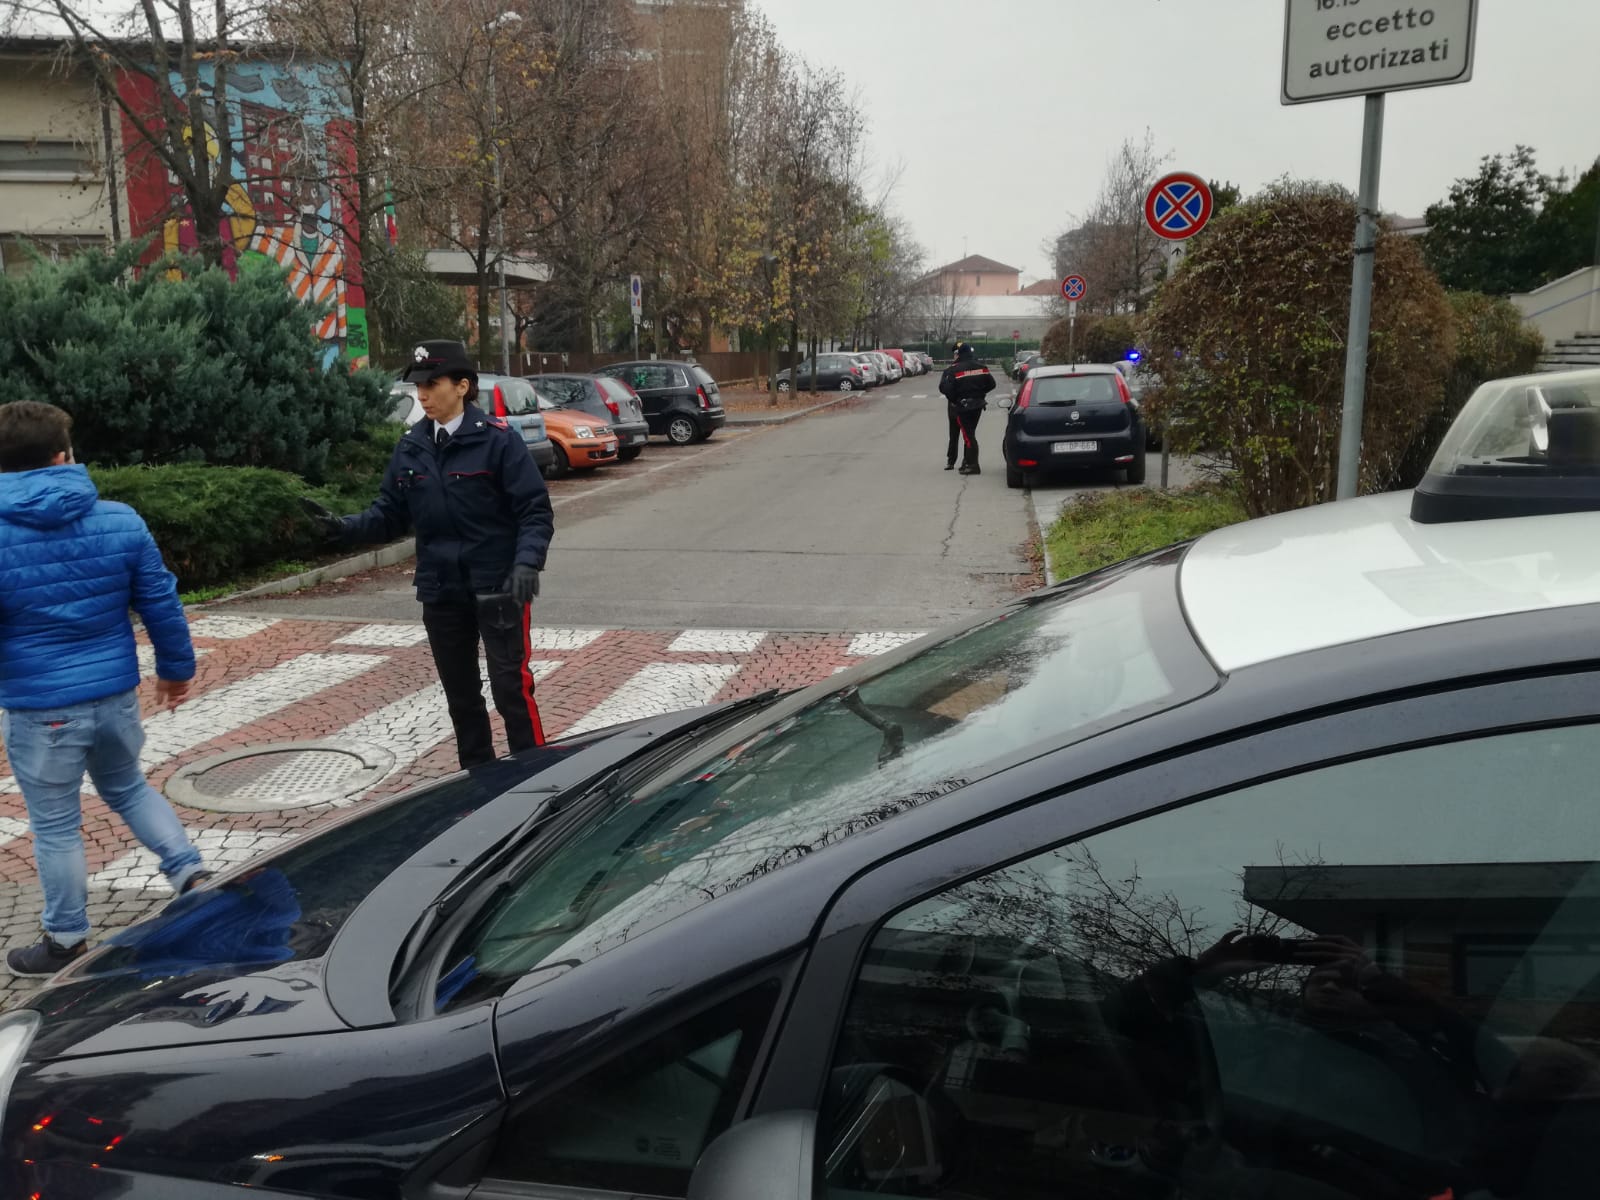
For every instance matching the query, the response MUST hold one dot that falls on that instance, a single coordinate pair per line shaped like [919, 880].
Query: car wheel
[681, 431]
[559, 466]
[846, 385]
[1013, 476]
[631, 453]
[1136, 467]
[783, 385]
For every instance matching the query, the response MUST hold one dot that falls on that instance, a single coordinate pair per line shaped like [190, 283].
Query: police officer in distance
[465, 483]
[964, 385]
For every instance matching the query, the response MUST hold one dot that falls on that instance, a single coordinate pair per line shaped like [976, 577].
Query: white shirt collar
[449, 427]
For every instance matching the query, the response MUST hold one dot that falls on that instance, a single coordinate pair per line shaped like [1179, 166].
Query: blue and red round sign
[1178, 206]
[1074, 287]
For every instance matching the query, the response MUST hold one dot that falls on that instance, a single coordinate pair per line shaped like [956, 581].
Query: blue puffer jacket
[71, 565]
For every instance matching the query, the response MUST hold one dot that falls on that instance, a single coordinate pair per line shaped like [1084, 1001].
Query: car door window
[637, 1123]
[519, 397]
[564, 392]
[1377, 979]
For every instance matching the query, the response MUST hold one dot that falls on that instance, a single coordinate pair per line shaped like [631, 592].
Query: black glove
[330, 526]
[523, 583]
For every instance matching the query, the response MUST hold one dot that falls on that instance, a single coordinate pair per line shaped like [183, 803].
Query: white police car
[1266, 866]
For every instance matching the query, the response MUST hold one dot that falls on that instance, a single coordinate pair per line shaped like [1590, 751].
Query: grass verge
[1106, 527]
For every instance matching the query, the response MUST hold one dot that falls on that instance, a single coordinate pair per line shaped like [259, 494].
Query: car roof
[1047, 372]
[1335, 574]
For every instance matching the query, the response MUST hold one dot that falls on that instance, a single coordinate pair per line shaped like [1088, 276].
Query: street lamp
[504, 20]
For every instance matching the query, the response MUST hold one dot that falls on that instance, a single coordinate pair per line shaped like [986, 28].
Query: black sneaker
[42, 959]
[194, 881]
[949, 466]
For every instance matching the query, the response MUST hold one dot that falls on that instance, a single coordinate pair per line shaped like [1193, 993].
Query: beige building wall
[53, 178]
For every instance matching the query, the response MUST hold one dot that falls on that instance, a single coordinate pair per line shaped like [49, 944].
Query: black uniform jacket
[965, 384]
[477, 507]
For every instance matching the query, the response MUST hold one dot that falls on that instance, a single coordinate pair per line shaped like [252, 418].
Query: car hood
[557, 421]
[244, 958]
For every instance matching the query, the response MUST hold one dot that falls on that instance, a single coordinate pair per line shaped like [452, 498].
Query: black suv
[600, 396]
[681, 400]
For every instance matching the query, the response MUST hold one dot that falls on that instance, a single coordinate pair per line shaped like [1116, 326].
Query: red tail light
[1027, 462]
[1027, 391]
[705, 400]
[499, 402]
[615, 411]
[1122, 389]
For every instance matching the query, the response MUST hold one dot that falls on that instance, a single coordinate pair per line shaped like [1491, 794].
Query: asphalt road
[841, 521]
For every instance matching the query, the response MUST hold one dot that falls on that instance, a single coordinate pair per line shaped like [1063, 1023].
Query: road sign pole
[1072, 333]
[1355, 362]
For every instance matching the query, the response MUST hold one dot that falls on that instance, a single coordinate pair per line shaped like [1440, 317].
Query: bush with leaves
[213, 524]
[1098, 339]
[1248, 343]
[1492, 342]
[199, 368]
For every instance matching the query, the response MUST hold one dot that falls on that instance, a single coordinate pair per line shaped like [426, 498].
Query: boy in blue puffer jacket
[71, 566]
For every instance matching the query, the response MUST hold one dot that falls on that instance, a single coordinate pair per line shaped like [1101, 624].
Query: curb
[383, 556]
[785, 418]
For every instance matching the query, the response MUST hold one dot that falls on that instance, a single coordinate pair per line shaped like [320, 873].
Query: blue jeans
[50, 749]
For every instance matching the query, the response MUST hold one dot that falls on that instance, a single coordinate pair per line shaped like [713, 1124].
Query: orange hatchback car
[580, 441]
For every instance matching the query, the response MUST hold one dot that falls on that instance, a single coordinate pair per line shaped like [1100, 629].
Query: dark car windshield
[1038, 673]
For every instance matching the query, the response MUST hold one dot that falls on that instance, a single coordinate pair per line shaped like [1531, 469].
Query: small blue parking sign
[635, 295]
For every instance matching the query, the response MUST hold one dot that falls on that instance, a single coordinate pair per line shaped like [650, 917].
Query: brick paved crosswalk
[263, 681]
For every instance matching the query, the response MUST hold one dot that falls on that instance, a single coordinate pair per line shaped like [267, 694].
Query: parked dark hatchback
[835, 373]
[1072, 418]
[611, 400]
[681, 401]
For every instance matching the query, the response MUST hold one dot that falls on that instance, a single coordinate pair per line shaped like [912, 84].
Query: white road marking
[563, 639]
[147, 659]
[219, 849]
[656, 689]
[865, 645]
[12, 828]
[384, 635]
[230, 627]
[235, 705]
[717, 641]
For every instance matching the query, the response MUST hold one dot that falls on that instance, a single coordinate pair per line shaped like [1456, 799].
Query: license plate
[1074, 447]
[637, 439]
[608, 447]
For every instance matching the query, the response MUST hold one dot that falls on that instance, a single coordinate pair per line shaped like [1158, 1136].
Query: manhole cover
[288, 775]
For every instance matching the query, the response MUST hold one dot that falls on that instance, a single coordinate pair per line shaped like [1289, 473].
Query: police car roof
[1335, 574]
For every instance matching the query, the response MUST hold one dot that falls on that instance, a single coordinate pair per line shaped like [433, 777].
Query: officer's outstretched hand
[330, 526]
[523, 583]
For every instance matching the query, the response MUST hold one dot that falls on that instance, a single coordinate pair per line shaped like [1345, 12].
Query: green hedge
[991, 350]
[218, 524]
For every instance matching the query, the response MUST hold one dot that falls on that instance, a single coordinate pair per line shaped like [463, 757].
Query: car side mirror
[770, 1157]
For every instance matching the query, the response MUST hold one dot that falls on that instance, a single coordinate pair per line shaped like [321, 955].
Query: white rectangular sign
[1334, 48]
[635, 297]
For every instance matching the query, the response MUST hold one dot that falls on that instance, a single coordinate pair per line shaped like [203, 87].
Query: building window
[35, 160]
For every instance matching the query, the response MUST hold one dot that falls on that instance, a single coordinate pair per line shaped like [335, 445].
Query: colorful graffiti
[288, 128]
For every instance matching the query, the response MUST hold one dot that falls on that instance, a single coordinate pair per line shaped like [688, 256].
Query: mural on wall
[289, 128]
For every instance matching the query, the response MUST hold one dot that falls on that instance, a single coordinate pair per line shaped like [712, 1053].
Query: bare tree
[168, 69]
[1112, 246]
[945, 308]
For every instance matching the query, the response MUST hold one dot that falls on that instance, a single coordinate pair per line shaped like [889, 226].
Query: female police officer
[464, 482]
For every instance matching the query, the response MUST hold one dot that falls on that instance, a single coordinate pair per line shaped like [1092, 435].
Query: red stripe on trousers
[527, 675]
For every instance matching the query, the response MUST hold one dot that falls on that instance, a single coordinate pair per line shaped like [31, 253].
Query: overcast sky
[1032, 96]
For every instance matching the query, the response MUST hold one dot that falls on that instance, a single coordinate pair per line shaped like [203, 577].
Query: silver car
[869, 364]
